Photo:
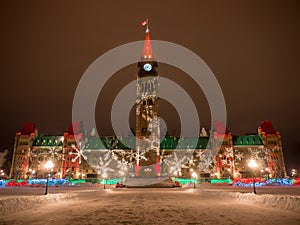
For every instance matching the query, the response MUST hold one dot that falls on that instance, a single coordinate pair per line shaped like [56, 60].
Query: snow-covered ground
[273, 190]
[93, 205]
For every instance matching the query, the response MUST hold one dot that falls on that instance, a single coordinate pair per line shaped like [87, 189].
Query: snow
[13, 204]
[94, 205]
[285, 202]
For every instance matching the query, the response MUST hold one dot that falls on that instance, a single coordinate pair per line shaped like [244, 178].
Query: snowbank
[18, 203]
[286, 202]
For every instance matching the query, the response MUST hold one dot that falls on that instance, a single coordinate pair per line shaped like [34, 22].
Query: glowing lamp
[252, 163]
[49, 165]
[194, 175]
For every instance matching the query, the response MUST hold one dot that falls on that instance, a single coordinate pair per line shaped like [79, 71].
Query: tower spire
[147, 51]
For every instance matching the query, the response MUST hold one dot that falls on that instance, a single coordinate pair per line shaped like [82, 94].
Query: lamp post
[2, 174]
[228, 173]
[268, 173]
[104, 176]
[194, 175]
[252, 164]
[49, 165]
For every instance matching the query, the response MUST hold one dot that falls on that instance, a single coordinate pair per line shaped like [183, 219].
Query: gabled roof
[220, 128]
[267, 127]
[75, 128]
[28, 128]
[248, 140]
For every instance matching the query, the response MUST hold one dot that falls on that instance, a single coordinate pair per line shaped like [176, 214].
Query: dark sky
[253, 48]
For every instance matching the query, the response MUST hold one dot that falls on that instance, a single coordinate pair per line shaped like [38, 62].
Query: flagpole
[145, 23]
[147, 30]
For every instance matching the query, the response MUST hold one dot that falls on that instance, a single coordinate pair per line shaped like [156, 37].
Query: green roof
[248, 140]
[109, 143]
[48, 141]
[129, 143]
[184, 143]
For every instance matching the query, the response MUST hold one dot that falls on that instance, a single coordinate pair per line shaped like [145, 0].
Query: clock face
[147, 67]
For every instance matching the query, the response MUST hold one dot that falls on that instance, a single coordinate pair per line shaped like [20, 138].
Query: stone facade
[92, 157]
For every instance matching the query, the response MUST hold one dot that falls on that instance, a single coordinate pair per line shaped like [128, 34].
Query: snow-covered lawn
[148, 206]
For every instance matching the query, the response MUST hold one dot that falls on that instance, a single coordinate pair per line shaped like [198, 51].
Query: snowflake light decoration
[53, 152]
[79, 153]
[199, 154]
[122, 166]
[103, 166]
[228, 152]
[176, 163]
[205, 164]
[192, 161]
[239, 156]
[138, 155]
[258, 154]
[206, 160]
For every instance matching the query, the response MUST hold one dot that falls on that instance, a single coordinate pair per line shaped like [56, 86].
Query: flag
[145, 22]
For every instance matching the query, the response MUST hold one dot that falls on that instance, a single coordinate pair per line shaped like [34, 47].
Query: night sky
[252, 47]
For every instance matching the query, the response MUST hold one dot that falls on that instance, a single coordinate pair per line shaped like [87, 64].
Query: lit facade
[32, 151]
[76, 155]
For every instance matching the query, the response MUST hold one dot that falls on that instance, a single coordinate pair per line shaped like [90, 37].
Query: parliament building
[213, 154]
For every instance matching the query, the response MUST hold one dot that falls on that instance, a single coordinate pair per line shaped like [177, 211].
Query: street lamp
[31, 173]
[268, 173]
[104, 176]
[2, 174]
[294, 172]
[49, 165]
[252, 164]
[194, 175]
[228, 173]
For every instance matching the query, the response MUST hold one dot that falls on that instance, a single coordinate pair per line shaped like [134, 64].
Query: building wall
[23, 144]
[22, 149]
[178, 156]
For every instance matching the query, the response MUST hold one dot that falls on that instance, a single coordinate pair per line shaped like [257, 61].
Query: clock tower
[147, 110]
